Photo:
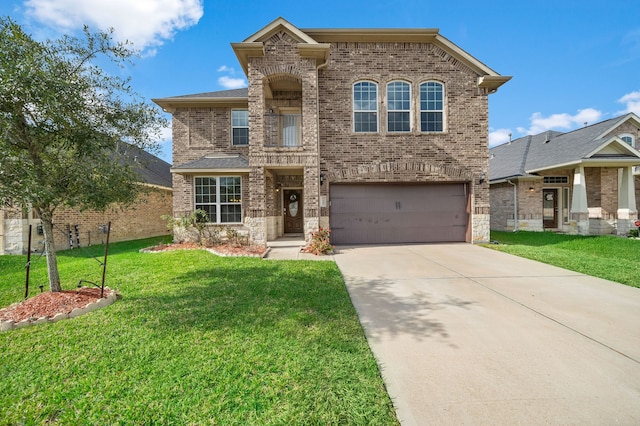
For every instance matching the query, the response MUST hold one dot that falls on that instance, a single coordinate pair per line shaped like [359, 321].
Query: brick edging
[90, 307]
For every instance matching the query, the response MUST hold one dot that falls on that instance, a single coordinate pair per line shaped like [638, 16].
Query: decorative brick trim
[397, 166]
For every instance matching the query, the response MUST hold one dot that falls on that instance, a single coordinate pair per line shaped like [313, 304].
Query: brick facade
[140, 220]
[289, 72]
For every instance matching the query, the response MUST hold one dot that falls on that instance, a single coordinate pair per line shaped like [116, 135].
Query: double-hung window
[240, 127]
[398, 107]
[365, 107]
[220, 197]
[431, 107]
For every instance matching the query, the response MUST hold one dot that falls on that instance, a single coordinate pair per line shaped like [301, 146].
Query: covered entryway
[399, 213]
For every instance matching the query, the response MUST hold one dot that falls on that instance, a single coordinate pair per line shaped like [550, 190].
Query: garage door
[385, 213]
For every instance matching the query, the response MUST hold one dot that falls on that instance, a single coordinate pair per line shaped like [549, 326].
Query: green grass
[612, 258]
[195, 339]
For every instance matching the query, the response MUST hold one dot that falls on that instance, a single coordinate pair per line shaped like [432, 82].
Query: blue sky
[572, 61]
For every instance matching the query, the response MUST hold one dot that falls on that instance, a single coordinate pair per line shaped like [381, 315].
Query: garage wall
[459, 154]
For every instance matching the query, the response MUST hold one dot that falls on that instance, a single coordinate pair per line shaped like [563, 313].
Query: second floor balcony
[283, 130]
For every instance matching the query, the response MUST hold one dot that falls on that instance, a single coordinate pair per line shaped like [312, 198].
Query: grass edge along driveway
[195, 339]
[608, 257]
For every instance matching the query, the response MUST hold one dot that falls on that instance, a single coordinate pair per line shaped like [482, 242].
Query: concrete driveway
[468, 335]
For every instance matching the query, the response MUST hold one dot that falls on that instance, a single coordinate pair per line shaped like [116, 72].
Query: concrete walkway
[468, 335]
[289, 248]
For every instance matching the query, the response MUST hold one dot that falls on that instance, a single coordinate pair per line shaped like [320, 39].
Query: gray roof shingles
[546, 149]
[213, 162]
[233, 93]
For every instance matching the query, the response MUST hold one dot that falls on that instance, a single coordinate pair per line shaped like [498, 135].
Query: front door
[550, 208]
[292, 211]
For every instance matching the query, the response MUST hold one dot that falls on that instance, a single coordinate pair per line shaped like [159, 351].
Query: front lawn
[612, 258]
[195, 339]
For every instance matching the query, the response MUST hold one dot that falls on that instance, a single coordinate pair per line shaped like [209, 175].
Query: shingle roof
[215, 162]
[151, 169]
[548, 149]
[233, 93]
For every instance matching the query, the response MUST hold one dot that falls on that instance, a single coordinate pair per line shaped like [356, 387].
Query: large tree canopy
[62, 121]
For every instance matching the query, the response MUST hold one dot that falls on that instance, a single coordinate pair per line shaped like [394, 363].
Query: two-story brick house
[381, 134]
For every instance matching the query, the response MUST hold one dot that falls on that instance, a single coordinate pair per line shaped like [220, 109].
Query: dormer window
[627, 138]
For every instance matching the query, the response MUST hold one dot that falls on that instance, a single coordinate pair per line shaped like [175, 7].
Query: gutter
[515, 205]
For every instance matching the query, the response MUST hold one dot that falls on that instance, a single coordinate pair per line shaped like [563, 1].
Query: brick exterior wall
[140, 220]
[329, 145]
[459, 154]
[197, 132]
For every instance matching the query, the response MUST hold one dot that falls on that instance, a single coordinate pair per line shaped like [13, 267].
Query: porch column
[579, 208]
[627, 211]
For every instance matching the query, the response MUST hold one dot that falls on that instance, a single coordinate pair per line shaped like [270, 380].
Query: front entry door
[292, 211]
[550, 208]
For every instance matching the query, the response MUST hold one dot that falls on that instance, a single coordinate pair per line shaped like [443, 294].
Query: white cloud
[564, 121]
[232, 83]
[632, 102]
[499, 136]
[146, 23]
[224, 68]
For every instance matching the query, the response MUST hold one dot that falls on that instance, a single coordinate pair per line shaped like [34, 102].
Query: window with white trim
[365, 107]
[627, 138]
[239, 127]
[398, 107]
[220, 197]
[431, 107]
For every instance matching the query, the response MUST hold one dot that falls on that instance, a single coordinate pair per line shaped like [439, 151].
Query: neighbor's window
[220, 197]
[431, 107]
[398, 107]
[556, 179]
[240, 127]
[365, 107]
[627, 138]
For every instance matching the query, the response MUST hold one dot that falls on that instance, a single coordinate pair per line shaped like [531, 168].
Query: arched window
[627, 138]
[398, 107]
[432, 107]
[365, 107]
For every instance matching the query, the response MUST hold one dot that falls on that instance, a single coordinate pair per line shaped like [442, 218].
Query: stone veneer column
[627, 211]
[579, 208]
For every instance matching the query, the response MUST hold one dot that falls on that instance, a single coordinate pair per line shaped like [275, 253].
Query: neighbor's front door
[292, 211]
[550, 208]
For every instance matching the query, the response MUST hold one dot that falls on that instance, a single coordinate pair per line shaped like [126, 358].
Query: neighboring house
[142, 219]
[581, 182]
[380, 134]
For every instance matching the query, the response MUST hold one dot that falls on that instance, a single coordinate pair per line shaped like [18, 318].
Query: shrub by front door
[293, 212]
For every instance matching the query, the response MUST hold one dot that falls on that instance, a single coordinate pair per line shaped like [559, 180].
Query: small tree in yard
[62, 123]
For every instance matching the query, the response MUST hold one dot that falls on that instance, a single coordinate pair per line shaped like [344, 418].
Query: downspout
[515, 205]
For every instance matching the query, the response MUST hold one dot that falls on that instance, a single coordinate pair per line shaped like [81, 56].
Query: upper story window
[398, 107]
[627, 138]
[432, 107]
[240, 127]
[220, 197]
[365, 107]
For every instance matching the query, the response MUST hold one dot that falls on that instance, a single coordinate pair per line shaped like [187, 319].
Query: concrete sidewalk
[468, 335]
[289, 248]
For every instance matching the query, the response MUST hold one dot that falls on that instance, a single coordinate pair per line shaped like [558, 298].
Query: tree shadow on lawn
[244, 294]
